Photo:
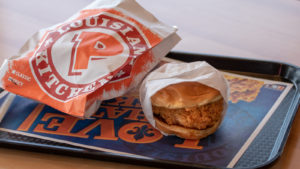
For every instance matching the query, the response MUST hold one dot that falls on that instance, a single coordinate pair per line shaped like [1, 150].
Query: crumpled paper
[99, 53]
[172, 73]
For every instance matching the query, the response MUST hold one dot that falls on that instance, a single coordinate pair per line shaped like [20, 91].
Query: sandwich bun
[189, 110]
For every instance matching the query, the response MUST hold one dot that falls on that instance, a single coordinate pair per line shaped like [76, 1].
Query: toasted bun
[186, 133]
[185, 94]
[188, 99]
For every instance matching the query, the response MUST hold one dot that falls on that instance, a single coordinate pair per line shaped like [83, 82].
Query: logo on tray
[83, 55]
[139, 133]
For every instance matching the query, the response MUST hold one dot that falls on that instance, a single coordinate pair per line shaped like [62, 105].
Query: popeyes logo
[81, 56]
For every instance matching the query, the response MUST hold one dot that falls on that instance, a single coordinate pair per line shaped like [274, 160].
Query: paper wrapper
[172, 73]
[99, 53]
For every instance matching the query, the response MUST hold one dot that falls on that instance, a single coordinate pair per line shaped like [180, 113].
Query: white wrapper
[172, 73]
[100, 53]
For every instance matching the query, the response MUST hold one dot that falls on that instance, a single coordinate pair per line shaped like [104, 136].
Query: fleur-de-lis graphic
[140, 132]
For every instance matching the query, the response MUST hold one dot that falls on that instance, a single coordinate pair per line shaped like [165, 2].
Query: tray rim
[294, 103]
[39, 147]
[233, 58]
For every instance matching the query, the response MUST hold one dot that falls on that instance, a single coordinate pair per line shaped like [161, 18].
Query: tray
[265, 149]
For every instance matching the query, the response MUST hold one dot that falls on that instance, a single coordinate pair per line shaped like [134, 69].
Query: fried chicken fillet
[189, 110]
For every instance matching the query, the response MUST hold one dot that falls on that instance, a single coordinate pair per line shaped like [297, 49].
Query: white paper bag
[100, 53]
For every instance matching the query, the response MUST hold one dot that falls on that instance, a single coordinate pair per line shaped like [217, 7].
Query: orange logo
[89, 46]
[82, 56]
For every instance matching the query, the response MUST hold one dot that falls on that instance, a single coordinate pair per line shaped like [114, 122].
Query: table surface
[258, 29]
